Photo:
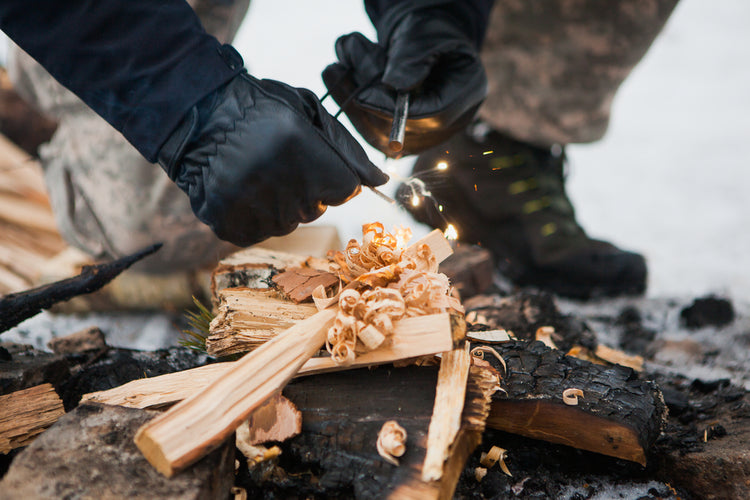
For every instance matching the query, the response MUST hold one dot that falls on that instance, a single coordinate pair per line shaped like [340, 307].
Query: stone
[90, 453]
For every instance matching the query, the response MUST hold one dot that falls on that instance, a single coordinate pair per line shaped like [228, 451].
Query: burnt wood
[342, 413]
[17, 307]
[620, 414]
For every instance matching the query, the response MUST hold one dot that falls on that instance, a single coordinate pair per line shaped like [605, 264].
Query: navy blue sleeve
[140, 64]
[473, 15]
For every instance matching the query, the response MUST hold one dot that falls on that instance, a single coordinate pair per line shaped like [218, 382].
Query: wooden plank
[446, 414]
[202, 422]
[27, 413]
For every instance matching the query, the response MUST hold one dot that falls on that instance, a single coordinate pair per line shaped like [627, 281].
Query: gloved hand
[424, 52]
[258, 157]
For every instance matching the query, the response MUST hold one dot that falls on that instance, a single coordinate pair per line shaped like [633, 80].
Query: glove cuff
[174, 147]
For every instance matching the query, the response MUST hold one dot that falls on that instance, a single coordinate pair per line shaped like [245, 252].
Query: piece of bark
[27, 413]
[619, 414]
[89, 453]
[469, 269]
[446, 414]
[413, 337]
[275, 420]
[298, 283]
[248, 318]
[342, 414]
[16, 307]
[202, 422]
[88, 339]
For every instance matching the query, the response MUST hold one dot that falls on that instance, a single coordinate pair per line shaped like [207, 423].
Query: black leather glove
[258, 157]
[424, 52]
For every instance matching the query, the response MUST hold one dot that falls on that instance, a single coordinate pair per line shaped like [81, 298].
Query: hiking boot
[509, 197]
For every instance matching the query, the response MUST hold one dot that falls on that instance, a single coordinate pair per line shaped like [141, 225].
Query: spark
[450, 232]
[415, 200]
[440, 208]
[442, 165]
[488, 153]
[475, 187]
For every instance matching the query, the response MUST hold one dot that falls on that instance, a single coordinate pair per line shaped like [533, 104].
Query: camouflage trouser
[554, 66]
[108, 200]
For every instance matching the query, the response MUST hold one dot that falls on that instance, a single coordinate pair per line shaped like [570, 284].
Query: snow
[670, 177]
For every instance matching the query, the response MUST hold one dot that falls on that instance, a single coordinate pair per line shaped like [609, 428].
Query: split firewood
[27, 413]
[446, 415]
[414, 337]
[255, 267]
[249, 318]
[619, 414]
[28, 234]
[198, 424]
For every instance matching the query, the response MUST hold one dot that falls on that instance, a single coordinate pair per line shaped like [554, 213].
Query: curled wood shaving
[544, 335]
[321, 299]
[570, 396]
[479, 352]
[391, 441]
[495, 455]
[383, 285]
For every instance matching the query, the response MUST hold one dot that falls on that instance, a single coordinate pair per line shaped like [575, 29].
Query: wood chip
[391, 441]
[479, 473]
[488, 336]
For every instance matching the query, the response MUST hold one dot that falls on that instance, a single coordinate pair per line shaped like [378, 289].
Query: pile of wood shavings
[384, 284]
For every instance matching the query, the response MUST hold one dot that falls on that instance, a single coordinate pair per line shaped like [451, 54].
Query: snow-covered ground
[670, 179]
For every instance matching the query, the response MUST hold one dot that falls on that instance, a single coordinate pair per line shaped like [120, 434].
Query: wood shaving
[391, 441]
[570, 396]
[495, 455]
[544, 335]
[479, 352]
[489, 336]
[384, 284]
[239, 493]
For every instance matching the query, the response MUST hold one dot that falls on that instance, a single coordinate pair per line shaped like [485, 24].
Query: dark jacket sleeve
[140, 64]
[473, 15]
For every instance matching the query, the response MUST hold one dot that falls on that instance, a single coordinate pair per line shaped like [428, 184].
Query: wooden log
[27, 413]
[202, 422]
[413, 337]
[619, 414]
[470, 269]
[342, 414]
[254, 268]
